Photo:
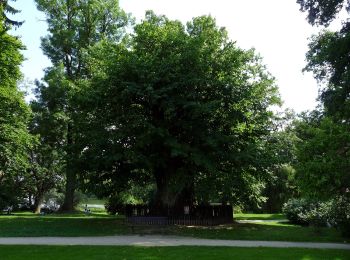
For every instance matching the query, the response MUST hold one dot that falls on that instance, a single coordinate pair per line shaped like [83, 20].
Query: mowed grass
[101, 224]
[169, 253]
[79, 224]
[251, 216]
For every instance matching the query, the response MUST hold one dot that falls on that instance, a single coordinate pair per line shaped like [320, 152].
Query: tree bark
[71, 178]
[169, 200]
[37, 203]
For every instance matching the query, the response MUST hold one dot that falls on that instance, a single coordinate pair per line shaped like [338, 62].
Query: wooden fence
[190, 216]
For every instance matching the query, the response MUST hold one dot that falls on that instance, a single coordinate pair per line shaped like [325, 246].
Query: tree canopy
[14, 115]
[181, 106]
[328, 56]
[73, 27]
[323, 148]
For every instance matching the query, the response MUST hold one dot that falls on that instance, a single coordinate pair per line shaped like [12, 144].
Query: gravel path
[262, 220]
[161, 241]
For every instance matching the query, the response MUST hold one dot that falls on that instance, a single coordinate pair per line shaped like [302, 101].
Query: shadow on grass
[27, 225]
[266, 231]
[247, 216]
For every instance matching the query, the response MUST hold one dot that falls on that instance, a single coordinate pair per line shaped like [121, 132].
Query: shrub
[340, 214]
[114, 205]
[307, 212]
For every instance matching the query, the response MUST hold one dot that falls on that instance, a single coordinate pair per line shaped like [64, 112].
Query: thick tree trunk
[68, 204]
[160, 203]
[71, 178]
[169, 200]
[37, 203]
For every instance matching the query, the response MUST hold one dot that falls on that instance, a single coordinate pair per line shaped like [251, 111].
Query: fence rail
[189, 216]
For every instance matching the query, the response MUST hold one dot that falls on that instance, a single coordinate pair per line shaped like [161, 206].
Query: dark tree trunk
[160, 204]
[68, 204]
[71, 178]
[169, 200]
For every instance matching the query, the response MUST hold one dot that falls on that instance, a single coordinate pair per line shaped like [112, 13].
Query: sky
[276, 29]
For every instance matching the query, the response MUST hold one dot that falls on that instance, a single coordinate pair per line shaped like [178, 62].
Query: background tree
[73, 27]
[8, 9]
[181, 106]
[328, 57]
[14, 115]
[323, 155]
[280, 149]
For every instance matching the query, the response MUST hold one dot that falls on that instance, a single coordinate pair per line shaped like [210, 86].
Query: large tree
[323, 153]
[323, 156]
[73, 27]
[328, 57]
[14, 115]
[181, 106]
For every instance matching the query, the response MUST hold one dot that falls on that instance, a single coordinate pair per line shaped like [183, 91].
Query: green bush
[307, 212]
[335, 212]
[114, 205]
[340, 214]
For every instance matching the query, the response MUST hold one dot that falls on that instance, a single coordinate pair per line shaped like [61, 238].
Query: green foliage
[281, 186]
[340, 214]
[321, 12]
[323, 161]
[6, 8]
[305, 212]
[73, 27]
[323, 157]
[181, 106]
[14, 115]
[328, 56]
[328, 60]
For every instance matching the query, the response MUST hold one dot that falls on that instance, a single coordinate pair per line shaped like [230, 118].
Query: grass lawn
[154, 253]
[248, 216]
[101, 224]
[79, 224]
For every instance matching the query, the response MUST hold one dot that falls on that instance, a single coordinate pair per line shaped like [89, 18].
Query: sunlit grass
[100, 224]
[250, 216]
[169, 253]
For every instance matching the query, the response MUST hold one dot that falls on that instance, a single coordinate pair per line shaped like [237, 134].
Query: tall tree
[14, 115]
[73, 27]
[182, 106]
[323, 154]
[328, 56]
[8, 9]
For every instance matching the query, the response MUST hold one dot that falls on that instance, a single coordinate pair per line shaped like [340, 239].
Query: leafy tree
[328, 57]
[180, 106]
[280, 150]
[7, 8]
[322, 12]
[323, 156]
[14, 115]
[73, 27]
